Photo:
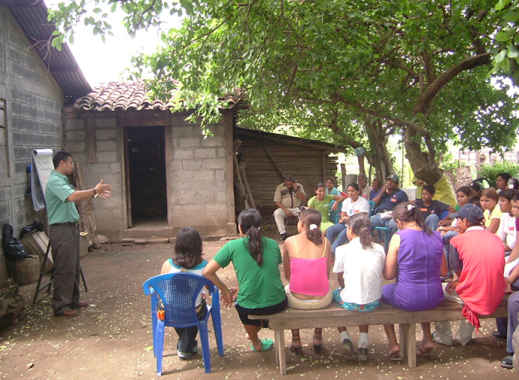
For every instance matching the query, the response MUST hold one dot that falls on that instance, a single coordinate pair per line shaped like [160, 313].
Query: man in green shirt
[64, 232]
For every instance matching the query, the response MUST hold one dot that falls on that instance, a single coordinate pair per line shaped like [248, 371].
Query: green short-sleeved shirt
[59, 210]
[260, 286]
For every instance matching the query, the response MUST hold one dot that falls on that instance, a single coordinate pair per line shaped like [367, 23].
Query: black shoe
[497, 335]
[284, 236]
[508, 362]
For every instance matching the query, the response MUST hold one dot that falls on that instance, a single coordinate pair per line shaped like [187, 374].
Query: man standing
[386, 200]
[288, 197]
[64, 232]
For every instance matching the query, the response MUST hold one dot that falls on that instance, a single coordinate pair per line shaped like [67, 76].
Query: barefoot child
[188, 258]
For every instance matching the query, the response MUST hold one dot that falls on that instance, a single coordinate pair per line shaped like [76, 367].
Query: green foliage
[506, 49]
[491, 171]
[337, 70]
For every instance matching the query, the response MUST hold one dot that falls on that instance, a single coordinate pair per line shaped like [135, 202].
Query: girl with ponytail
[359, 266]
[414, 258]
[256, 260]
[306, 263]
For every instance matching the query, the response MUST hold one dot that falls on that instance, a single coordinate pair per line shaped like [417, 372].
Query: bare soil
[111, 339]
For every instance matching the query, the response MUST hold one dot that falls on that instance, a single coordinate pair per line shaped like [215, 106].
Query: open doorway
[146, 182]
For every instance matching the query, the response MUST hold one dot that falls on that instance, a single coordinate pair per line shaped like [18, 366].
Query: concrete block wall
[34, 102]
[199, 177]
[96, 144]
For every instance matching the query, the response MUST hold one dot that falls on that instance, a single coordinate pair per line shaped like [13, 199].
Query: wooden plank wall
[303, 163]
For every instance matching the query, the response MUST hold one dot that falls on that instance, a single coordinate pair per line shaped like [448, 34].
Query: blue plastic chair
[384, 230]
[178, 293]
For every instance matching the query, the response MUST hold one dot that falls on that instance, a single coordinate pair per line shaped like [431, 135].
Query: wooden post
[324, 165]
[343, 175]
[247, 187]
[91, 141]
[279, 337]
[243, 191]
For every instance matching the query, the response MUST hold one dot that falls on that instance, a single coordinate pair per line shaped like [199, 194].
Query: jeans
[432, 222]
[513, 309]
[336, 235]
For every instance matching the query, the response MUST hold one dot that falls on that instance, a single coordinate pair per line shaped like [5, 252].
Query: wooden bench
[335, 316]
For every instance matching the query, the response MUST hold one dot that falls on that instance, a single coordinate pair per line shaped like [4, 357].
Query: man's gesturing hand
[104, 190]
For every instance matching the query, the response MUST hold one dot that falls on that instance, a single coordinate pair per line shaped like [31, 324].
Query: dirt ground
[111, 339]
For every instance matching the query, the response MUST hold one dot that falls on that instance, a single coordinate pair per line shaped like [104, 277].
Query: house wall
[198, 171]
[34, 103]
[95, 143]
[199, 176]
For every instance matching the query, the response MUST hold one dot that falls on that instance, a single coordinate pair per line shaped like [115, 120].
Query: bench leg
[408, 343]
[280, 351]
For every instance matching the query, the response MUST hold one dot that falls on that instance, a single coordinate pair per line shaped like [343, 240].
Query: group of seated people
[467, 255]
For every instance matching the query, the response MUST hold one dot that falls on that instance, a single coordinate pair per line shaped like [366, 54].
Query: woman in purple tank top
[414, 258]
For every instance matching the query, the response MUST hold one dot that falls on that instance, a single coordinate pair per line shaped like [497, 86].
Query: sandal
[298, 350]
[395, 355]
[421, 350]
[318, 349]
[266, 345]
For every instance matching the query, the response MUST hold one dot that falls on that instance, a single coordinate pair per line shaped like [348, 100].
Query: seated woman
[256, 262]
[415, 254]
[506, 231]
[321, 202]
[489, 203]
[307, 262]
[188, 258]
[352, 205]
[359, 266]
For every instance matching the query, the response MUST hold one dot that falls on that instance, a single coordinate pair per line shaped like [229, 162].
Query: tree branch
[422, 106]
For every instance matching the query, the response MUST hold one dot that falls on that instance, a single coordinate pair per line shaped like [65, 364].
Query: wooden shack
[264, 158]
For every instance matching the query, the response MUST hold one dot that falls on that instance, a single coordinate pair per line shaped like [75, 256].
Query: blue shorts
[353, 306]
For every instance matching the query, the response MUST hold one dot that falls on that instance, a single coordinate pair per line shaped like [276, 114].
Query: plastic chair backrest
[178, 293]
[371, 207]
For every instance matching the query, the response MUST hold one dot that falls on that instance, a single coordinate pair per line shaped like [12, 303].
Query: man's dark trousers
[64, 240]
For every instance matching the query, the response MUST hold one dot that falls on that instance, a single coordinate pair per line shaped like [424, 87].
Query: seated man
[431, 209]
[288, 196]
[478, 261]
[386, 200]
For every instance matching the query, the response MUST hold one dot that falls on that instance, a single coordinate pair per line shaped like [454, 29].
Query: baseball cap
[394, 178]
[471, 212]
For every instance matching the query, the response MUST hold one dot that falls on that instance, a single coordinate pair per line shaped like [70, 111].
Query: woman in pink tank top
[307, 263]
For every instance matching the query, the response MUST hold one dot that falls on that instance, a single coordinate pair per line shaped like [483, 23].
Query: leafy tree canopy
[348, 71]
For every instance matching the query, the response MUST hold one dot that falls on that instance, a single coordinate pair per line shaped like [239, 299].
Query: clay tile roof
[132, 96]
[120, 96]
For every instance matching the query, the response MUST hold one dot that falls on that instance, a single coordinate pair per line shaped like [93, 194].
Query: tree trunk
[378, 156]
[423, 162]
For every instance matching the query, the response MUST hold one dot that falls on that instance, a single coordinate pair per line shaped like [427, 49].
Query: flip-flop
[421, 350]
[266, 345]
[395, 356]
[298, 350]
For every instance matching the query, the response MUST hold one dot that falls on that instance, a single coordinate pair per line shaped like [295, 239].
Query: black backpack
[13, 248]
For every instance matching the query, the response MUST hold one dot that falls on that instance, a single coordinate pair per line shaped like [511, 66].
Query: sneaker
[185, 355]
[348, 345]
[284, 236]
[363, 354]
[508, 362]
[496, 334]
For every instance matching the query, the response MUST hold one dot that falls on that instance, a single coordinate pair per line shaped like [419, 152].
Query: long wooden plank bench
[335, 316]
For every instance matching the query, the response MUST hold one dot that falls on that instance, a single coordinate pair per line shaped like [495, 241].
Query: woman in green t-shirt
[321, 202]
[256, 262]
